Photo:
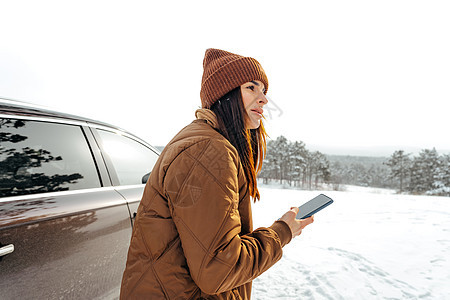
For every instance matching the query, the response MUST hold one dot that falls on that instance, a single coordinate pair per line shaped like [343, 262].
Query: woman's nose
[263, 99]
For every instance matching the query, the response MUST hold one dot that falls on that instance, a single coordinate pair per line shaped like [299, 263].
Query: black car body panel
[64, 245]
[66, 218]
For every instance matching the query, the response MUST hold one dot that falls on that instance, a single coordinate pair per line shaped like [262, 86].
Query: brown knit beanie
[224, 71]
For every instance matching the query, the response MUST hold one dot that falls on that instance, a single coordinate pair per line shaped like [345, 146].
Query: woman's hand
[295, 225]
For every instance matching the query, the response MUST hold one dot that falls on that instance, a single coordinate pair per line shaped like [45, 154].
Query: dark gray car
[69, 188]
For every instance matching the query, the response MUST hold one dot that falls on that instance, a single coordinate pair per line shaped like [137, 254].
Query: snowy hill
[369, 244]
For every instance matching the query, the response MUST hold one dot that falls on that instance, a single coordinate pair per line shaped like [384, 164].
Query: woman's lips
[259, 112]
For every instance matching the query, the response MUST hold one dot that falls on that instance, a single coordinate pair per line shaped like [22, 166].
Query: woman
[193, 235]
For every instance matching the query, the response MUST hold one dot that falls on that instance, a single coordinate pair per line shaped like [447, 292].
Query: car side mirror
[145, 178]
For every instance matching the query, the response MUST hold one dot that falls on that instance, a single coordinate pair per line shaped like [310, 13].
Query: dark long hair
[250, 143]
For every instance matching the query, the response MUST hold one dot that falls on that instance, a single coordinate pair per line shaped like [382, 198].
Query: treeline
[294, 164]
[426, 173]
[359, 170]
[291, 163]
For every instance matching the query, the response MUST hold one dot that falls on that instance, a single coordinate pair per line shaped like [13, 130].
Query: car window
[40, 157]
[131, 159]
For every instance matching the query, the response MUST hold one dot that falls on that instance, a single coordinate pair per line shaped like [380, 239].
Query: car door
[129, 160]
[64, 230]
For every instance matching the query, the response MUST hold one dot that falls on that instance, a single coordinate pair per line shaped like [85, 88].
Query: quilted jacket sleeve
[203, 192]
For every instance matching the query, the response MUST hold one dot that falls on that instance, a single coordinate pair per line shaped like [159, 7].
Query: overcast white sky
[352, 75]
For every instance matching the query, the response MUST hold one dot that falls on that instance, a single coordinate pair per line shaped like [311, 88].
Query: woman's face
[254, 100]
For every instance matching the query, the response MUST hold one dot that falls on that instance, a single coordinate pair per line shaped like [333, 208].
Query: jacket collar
[208, 115]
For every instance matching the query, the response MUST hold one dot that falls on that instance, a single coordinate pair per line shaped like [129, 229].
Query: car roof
[15, 107]
[21, 108]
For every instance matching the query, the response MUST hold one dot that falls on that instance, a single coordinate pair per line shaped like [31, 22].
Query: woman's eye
[251, 87]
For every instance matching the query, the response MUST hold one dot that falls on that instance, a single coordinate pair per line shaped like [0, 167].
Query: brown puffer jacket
[193, 236]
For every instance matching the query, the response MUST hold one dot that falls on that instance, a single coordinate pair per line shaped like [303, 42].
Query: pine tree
[282, 157]
[423, 171]
[441, 183]
[323, 169]
[297, 160]
[399, 164]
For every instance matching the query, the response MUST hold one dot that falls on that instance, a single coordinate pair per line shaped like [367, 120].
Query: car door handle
[6, 250]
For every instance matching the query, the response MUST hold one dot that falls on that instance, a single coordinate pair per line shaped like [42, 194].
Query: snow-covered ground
[369, 244]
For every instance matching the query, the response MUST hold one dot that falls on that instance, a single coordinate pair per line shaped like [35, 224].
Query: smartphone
[312, 206]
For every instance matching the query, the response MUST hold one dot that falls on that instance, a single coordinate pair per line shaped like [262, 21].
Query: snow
[369, 244]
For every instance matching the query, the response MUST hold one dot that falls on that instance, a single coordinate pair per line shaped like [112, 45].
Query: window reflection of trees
[16, 177]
